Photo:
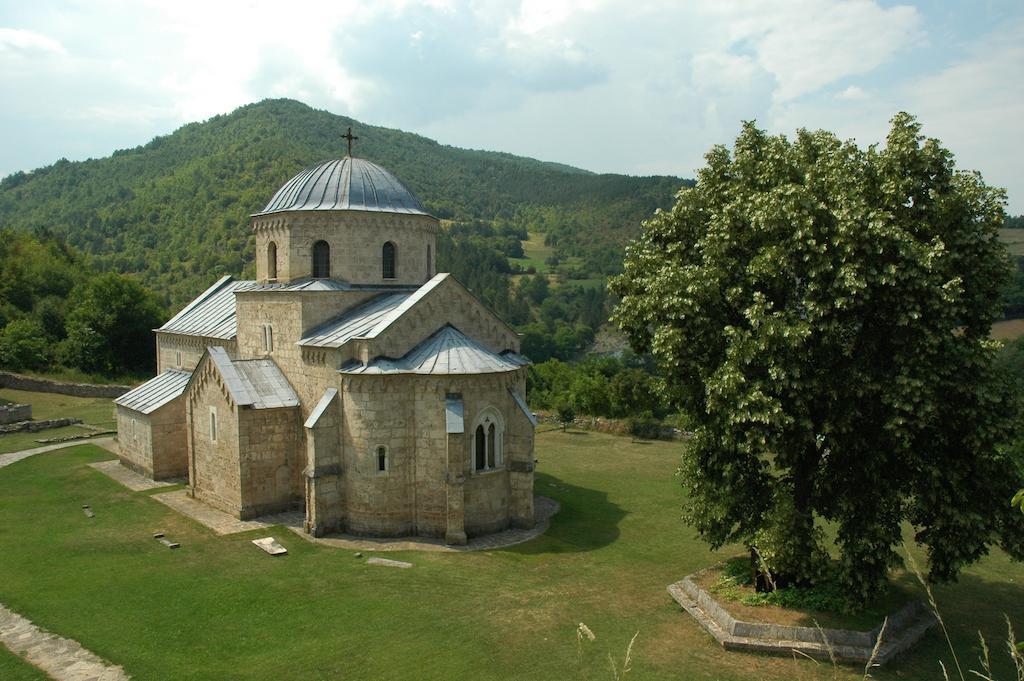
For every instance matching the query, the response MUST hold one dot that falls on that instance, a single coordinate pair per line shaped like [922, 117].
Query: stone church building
[349, 379]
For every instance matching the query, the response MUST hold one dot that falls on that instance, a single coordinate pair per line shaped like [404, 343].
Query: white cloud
[24, 42]
[852, 92]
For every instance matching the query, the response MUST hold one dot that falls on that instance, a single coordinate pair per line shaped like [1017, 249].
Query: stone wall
[447, 303]
[12, 413]
[44, 385]
[36, 426]
[406, 415]
[271, 458]
[154, 445]
[214, 467]
[355, 238]
[172, 347]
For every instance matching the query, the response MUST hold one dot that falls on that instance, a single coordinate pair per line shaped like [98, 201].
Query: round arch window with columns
[487, 440]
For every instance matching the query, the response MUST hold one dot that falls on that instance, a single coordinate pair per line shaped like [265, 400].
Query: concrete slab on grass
[270, 545]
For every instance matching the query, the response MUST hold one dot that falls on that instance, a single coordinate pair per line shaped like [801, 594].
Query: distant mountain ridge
[176, 210]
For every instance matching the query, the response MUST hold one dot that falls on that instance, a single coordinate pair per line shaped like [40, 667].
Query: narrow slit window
[213, 424]
[272, 261]
[268, 338]
[382, 459]
[388, 255]
[490, 446]
[430, 263]
[177, 358]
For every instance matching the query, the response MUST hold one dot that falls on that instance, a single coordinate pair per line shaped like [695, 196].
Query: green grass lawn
[536, 253]
[218, 608]
[96, 411]
[1014, 240]
[13, 668]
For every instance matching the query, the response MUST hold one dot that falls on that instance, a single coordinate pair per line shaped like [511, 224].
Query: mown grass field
[536, 253]
[96, 411]
[218, 608]
[1014, 240]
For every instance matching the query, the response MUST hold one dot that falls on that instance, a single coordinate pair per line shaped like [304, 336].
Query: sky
[638, 87]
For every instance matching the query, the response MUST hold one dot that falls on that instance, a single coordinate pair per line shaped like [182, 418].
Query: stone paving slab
[543, 509]
[127, 477]
[61, 658]
[387, 562]
[218, 521]
[105, 442]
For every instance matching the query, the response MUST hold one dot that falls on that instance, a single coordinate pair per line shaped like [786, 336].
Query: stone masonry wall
[355, 238]
[43, 385]
[154, 445]
[214, 467]
[191, 349]
[406, 415]
[272, 459]
[447, 303]
[12, 413]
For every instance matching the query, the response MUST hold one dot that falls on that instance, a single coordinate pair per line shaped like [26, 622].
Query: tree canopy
[822, 314]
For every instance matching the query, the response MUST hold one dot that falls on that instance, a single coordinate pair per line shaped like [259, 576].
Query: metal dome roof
[345, 184]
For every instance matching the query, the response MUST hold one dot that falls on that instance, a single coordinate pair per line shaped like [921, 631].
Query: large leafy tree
[109, 328]
[822, 312]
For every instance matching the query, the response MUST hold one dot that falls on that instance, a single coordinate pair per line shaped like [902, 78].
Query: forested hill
[176, 210]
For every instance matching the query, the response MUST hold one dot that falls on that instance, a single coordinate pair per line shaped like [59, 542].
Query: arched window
[271, 260]
[481, 448]
[430, 263]
[388, 257]
[487, 440]
[321, 260]
[491, 446]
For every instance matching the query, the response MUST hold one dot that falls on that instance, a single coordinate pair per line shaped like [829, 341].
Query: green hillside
[175, 211]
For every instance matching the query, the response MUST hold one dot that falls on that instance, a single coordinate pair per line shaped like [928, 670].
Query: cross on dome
[350, 137]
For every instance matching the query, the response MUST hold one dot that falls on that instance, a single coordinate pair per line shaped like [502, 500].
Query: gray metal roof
[329, 395]
[345, 184]
[256, 383]
[212, 313]
[156, 392]
[369, 319]
[521, 403]
[448, 351]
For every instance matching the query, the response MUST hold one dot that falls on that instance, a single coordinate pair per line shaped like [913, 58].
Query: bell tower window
[430, 263]
[321, 260]
[388, 254]
[271, 260]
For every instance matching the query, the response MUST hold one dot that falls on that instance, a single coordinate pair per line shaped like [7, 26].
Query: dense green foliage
[55, 310]
[1014, 222]
[175, 211]
[822, 314]
[597, 386]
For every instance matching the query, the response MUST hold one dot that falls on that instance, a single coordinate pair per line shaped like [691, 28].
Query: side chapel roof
[447, 351]
[156, 392]
[256, 383]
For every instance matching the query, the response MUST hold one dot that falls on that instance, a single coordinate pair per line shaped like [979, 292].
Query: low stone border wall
[36, 426]
[45, 385]
[611, 426]
[903, 629]
[12, 413]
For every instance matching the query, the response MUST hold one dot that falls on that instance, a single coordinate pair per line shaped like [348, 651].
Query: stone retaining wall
[36, 426]
[44, 385]
[12, 413]
[902, 630]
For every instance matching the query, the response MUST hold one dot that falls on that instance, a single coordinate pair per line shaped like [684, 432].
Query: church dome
[345, 184]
